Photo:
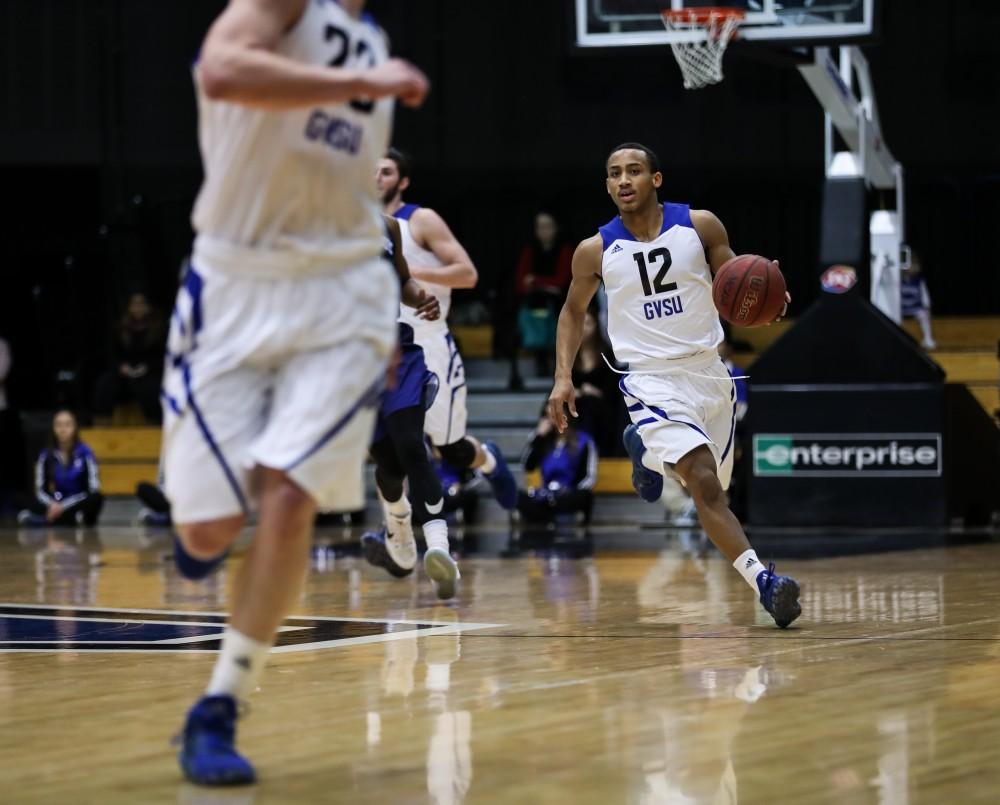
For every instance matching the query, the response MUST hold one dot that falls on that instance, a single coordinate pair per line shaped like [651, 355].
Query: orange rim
[703, 14]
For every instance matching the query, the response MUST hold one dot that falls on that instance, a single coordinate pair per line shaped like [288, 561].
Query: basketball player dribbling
[284, 322]
[657, 263]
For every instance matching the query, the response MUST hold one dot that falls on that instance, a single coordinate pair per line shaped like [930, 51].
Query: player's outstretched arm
[238, 63]
[410, 293]
[430, 231]
[569, 333]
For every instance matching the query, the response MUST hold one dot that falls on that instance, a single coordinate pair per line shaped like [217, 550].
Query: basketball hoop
[700, 54]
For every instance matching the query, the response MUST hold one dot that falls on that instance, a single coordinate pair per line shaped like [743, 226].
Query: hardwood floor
[628, 676]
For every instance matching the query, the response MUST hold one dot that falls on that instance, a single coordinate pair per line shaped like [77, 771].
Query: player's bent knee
[209, 539]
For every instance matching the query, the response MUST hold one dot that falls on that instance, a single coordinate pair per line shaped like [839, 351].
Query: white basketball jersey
[293, 192]
[660, 306]
[417, 255]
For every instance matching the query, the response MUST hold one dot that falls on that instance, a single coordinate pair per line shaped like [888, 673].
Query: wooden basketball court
[626, 676]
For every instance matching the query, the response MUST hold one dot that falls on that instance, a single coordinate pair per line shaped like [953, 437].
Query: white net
[701, 61]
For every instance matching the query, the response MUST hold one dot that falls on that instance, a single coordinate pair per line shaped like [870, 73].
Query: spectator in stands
[916, 300]
[137, 362]
[67, 484]
[461, 491]
[544, 270]
[568, 465]
[598, 401]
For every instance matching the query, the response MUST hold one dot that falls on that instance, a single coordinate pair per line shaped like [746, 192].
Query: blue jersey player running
[657, 262]
[399, 452]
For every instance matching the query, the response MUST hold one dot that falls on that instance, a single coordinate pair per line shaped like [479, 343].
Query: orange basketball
[749, 290]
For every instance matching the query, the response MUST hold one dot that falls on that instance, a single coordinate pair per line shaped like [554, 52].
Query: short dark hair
[402, 161]
[651, 159]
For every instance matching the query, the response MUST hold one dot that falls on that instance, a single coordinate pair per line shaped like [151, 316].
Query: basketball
[749, 290]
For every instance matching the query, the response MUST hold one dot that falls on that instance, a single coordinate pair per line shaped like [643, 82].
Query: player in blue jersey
[439, 263]
[657, 262]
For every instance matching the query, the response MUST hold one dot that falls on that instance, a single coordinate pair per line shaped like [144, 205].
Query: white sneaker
[442, 571]
[399, 541]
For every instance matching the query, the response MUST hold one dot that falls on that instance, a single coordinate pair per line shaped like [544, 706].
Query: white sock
[239, 665]
[436, 534]
[749, 567]
[490, 463]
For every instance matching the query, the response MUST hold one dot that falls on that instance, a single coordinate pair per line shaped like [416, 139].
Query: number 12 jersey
[660, 308]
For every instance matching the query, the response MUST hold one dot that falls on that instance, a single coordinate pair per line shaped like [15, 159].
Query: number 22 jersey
[660, 308]
[291, 193]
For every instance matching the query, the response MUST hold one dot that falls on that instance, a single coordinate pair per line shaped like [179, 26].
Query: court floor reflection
[647, 676]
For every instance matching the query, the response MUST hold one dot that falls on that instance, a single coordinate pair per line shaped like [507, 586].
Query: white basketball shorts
[446, 419]
[282, 373]
[680, 410]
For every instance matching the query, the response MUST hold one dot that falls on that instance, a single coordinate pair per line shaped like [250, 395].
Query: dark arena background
[600, 652]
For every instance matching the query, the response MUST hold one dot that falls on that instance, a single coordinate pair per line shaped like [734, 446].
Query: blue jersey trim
[659, 411]
[673, 215]
[171, 402]
[676, 215]
[405, 212]
[368, 399]
[213, 446]
[729, 442]
[194, 284]
[614, 230]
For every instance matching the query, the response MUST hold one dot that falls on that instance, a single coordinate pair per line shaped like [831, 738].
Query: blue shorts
[415, 386]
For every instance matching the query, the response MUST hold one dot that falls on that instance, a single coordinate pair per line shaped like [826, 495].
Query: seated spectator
[916, 299]
[599, 403]
[67, 484]
[137, 363]
[568, 465]
[461, 490]
[544, 270]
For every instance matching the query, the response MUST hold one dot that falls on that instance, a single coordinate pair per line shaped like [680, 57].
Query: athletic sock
[490, 463]
[239, 665]
[749, 567]
[436, 534]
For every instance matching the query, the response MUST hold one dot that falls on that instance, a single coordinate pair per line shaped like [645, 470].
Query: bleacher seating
[126, 455]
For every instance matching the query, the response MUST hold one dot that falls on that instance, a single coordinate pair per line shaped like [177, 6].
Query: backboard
[624, 23]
